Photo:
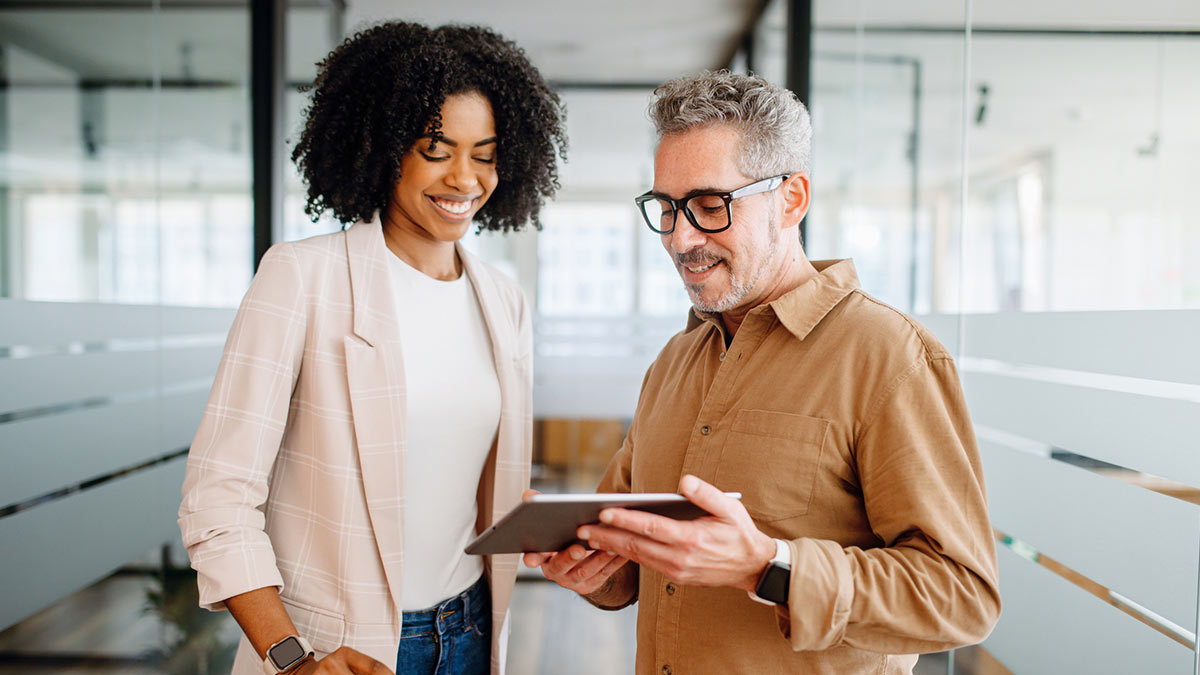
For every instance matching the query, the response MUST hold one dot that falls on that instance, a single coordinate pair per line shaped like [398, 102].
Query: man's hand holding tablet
[721, 549]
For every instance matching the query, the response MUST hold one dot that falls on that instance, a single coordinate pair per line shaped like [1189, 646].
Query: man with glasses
[862, 535]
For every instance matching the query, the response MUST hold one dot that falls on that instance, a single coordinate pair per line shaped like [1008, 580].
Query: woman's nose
[462, 175]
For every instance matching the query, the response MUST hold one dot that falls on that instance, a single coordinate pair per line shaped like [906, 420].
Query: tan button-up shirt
[842, 423]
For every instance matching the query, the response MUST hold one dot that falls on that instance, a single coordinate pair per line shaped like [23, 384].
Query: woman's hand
[344, 661]
[575, 567]
[264, 619]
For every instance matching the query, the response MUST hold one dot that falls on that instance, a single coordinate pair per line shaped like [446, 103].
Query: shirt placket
[700, 459]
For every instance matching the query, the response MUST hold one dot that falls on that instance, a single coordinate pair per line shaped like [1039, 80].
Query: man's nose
[685, 237]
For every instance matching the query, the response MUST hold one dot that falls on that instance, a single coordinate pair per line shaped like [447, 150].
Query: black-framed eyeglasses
[708, 212]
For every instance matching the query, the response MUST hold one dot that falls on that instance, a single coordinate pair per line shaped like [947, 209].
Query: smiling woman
[382, 91]
[374, 397]
[445, 178]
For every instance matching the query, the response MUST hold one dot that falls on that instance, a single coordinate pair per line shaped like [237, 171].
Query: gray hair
[774, 123]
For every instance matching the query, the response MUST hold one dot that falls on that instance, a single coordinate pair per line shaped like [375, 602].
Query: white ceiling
[577, 41]
[569, 40]
[580, 40]
[640, 40]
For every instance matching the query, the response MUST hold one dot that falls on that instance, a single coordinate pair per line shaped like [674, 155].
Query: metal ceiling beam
[799, 47]
[746, 36]
[799, 62]
[267, 84]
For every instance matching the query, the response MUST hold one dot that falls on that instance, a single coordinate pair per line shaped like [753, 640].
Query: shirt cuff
[823, 572]
[783, 554]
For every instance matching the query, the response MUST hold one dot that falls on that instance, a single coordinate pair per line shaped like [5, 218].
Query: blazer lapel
[501, 327]
[375, 373]
[370, 283]
[502, 330]
[507, 470]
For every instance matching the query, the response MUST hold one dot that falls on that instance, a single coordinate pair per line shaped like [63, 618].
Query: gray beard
[738, 290]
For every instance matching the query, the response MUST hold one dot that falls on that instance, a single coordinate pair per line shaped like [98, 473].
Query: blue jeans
[454, 637]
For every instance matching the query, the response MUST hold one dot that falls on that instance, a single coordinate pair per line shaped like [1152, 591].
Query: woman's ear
[795, 194]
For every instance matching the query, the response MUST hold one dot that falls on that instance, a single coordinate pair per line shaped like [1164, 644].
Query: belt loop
[467, 610]
[439, 618]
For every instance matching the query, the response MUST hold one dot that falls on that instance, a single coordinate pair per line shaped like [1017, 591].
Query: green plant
[193, 642]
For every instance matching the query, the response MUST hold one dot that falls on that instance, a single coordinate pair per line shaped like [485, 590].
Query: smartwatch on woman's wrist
[285, 655]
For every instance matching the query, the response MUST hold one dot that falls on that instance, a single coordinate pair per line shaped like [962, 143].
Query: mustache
[697, 256]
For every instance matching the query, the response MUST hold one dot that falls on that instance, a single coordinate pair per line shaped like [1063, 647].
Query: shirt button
[666, 670]
[670, 589]
[705, 430]
[721, 357]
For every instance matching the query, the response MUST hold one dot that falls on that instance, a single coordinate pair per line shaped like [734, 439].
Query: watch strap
[783, 553]
[775, 580]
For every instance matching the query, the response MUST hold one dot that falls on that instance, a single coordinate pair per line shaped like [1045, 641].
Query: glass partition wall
[125, 244]
[1079, 146]
[1020, 185]
[125, 155]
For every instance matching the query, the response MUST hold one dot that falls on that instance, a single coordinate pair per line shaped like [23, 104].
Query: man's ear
[795, 194]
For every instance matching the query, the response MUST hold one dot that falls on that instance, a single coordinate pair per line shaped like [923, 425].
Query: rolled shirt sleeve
[221, 516]
[932, 585]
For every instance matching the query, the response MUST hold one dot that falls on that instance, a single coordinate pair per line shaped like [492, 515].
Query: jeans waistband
[470, 605]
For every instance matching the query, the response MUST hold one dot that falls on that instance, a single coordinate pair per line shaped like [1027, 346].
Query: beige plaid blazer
[295, 477]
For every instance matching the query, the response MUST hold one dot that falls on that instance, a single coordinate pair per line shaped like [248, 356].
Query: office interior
[1016, 174]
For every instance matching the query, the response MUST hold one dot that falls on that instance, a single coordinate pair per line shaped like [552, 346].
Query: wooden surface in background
[573, 453]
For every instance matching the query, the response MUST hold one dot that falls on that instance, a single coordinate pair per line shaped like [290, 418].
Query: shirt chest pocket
[773, 459]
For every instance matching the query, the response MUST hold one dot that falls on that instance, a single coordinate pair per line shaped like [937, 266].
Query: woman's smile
[455, 208]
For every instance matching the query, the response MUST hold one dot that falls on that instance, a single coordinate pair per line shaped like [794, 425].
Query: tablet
[547, 522]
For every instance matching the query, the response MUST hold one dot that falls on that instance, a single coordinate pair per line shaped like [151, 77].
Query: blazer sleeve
[225, 488]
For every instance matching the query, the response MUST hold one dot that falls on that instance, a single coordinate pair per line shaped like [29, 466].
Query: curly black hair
[382, 90]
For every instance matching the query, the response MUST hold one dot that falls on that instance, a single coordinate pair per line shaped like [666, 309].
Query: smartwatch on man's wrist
[285, 655]
[776, 579]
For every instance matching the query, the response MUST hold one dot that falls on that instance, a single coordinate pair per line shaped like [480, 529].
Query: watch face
[287, 652]
[774, 584]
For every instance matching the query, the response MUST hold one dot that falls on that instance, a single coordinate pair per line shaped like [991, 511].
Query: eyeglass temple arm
[755, 188]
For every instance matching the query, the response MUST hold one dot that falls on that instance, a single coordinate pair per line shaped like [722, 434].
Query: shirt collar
[803, 307]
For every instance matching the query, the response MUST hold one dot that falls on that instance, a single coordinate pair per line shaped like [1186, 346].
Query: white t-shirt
[453, 398]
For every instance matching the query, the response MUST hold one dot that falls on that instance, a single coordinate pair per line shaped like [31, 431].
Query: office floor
[109, 628]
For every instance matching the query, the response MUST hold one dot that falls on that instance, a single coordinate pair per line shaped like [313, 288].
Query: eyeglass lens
[709, 212]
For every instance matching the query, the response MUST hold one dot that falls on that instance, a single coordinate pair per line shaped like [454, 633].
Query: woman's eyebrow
[454, 144]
